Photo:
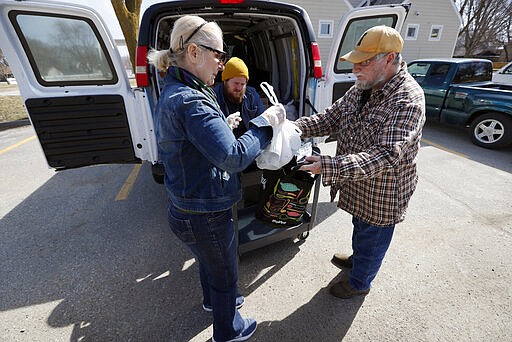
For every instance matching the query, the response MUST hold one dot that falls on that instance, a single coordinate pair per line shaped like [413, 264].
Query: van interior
[270, 45]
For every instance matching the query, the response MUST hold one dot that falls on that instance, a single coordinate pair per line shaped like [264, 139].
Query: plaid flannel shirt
[374, 170]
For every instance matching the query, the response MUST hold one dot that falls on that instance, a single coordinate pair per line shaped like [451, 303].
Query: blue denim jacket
[252, 106]
[201, 156]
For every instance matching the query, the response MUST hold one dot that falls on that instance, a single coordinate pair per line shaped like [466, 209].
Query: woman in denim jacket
[202, 160]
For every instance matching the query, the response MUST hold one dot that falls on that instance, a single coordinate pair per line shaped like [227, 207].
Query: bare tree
[508, 46]
[486, 23]
[4, 67]
[128, 14]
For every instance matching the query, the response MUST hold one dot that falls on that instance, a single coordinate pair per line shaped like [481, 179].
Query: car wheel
[492, 130]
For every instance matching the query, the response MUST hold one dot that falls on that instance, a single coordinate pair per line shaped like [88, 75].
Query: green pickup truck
[459, 91]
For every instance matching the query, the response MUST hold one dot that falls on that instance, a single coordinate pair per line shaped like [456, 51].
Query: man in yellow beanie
[234, 95]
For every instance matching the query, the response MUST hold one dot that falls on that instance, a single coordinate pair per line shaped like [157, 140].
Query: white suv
[503, 75]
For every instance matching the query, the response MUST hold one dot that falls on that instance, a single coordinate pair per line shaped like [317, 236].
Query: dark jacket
[252, 106]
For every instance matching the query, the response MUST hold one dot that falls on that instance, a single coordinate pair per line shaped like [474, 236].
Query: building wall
[422, 13]
[330, 10]
[425, 14]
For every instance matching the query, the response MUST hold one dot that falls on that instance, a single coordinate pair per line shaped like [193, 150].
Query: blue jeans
[211, 237]
[369, 246]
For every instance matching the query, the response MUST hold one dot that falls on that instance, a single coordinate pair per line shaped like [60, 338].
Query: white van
[76, 89]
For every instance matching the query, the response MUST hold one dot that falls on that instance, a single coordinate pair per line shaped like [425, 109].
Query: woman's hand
[234, 120]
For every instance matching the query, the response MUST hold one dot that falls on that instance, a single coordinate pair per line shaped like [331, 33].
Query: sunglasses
[371, 60]
[220, 55]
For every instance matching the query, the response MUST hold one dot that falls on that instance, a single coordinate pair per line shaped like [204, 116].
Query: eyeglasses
[371, 60]
[220, 55]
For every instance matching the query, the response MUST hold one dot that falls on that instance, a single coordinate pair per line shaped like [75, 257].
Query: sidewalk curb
[14, 124]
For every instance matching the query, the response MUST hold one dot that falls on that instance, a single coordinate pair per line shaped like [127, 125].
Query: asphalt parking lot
[77, 265]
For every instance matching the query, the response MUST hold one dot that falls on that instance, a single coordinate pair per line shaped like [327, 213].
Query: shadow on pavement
[5, 125]
[116, 270]
[324, 318]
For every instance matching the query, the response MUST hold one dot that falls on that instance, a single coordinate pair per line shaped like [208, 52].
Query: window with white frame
[412, 31]
[435, 33]
[325, 28]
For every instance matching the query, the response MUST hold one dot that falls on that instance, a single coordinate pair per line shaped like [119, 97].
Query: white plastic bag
[285, 143]
[285, 140]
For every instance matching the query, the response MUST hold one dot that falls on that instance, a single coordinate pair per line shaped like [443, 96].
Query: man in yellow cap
[235, 96]
[378, 125]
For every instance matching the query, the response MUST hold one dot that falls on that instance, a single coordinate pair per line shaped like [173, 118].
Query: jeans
[211, 237]
[369, 246]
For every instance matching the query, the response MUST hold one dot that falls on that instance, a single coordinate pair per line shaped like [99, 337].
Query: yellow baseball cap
[378, 39]
[235, 67]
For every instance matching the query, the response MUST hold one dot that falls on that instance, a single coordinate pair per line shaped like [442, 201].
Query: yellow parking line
[128, 185]
[441, 147]
[17, 144]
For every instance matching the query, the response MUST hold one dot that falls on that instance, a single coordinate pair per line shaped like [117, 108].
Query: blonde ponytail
[160, 59]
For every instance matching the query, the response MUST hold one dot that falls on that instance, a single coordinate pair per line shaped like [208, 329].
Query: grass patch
[12, 108]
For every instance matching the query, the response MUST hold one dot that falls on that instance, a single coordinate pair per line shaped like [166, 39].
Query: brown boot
[342, 260]
[344, 290]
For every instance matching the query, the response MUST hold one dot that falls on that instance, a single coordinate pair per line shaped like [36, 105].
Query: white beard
[365, 85]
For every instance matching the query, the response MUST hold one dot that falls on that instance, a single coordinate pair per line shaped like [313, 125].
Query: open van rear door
[338, 76]
[75, 86]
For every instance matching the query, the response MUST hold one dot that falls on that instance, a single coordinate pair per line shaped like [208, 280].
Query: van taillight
[231, 1]
[141, 67]
[317, 62]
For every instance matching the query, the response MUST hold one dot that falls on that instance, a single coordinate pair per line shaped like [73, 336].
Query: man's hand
[234, 120]
[275, 115]
[314, 166]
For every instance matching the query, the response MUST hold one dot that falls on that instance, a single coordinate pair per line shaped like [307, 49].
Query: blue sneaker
[249, 329]
[240, 300]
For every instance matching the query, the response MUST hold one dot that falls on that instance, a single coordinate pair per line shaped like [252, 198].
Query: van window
[63, 50]
[473, 72]
[354, 31]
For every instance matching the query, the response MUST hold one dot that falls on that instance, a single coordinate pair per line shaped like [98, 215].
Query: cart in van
[84, 110]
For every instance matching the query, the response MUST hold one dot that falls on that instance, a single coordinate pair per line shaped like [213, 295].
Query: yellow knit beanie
[235, 67]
